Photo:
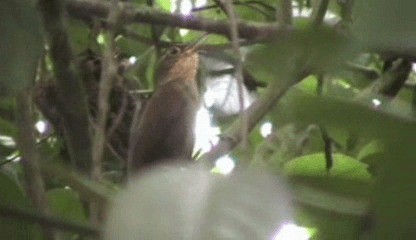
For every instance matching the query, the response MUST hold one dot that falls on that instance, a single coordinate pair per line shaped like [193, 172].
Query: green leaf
[308, 85]
[395, 199]
[372, 154]
[314, 165]
[333, 206]
[21, 45]
[164, 5]
[395, 184]
[134, 47]
[66, 204]
[80, 36]
[12, 195]
[7, 128]
[316, 49]
[386, 24]
[330, 225]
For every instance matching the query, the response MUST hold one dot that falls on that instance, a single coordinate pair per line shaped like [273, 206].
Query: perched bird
[166, 127]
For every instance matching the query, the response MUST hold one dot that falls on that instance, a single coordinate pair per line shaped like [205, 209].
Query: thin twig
[284, 16]
[108, 75]
[232, 136]
[346, 10]
[154, 34]
[238, 70]
[221, 5]
[119, 117]
[328, 142]
[319, 12]
[250, 4]
[254, 31]
[363, 71]
[414, 102]
[391, 81]
[26, 143]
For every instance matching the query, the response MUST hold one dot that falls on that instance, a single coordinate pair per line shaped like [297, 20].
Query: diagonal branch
[319, 12]
[391, 82]
[232, 136]
[238, 68]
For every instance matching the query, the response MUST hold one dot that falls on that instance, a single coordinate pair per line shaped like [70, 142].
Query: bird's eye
[173, 51]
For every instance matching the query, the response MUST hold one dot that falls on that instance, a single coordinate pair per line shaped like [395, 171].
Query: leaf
[134, 47]
[12, 195]
[372, 154]
[309, 85]
[316, 49]
[80, 36]
[386, 24]
[176, 203]
[66, 204]
[396, 187]
[395, 184]
[330, 225]
[7, 128]
[164, 5]
[20, 45]
[314, 165]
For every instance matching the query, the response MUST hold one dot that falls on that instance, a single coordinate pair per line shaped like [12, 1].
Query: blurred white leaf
[191, 203]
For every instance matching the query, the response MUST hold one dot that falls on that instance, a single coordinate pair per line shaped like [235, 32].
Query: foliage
[340, 95]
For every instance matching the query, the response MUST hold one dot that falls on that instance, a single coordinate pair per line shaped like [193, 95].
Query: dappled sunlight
[41, 126]
[266, 129]
[206, 135]
[224, 165]
[290, 231]
[185, 8]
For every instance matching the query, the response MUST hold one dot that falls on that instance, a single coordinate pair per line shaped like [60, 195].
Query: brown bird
[166, 126]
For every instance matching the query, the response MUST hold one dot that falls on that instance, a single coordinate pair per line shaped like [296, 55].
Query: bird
[166, 127]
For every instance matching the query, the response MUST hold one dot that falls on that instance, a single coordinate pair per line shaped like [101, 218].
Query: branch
[153, 30]
[319, 11]
[414, 102]
[47, 221]
[72, 102]
[327, 140]
[86, 9]
[395, 79]
[232, 136]
[238, 69]
[390, 82]
[284, 16]
[221, 5]
[362, 71]
[249, 4]
[346, 10]
[108, 75]
[30, 157]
